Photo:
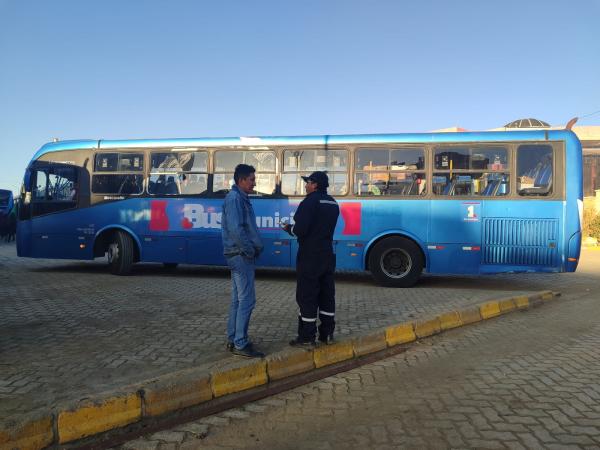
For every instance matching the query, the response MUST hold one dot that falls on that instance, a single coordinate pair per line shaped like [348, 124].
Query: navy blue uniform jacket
[314, 223]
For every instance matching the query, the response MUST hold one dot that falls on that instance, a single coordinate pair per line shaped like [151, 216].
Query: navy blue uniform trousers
[315, 294]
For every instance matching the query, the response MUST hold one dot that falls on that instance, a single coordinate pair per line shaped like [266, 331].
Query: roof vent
[527, 123]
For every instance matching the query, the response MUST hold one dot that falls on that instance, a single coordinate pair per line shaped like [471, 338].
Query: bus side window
[263, 161]
[118, 173]
[534, 170]
[390, 171]
[471, 170]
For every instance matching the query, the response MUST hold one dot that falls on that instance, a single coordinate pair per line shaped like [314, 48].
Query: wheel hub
[396, 263]
[113, 252]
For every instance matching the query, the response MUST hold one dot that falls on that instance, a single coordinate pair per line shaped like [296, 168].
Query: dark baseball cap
[318, 177]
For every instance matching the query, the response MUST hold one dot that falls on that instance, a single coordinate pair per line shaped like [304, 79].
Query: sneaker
[229, 346]
[248, 352]
[327, 340]
[302, 343]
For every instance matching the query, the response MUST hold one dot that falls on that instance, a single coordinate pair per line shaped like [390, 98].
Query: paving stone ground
[69, 329]
[527, 380]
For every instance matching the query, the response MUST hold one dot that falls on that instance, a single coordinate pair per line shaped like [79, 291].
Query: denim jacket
[238, 226]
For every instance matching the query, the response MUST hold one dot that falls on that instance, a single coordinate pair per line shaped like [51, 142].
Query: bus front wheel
[396, 262]
[120, 253]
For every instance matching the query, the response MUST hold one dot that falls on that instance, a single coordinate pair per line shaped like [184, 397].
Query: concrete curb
[174, 392]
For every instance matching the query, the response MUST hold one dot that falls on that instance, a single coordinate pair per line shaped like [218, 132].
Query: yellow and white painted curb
[192, 387]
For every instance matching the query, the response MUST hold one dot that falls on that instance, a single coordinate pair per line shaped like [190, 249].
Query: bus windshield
[4, 198]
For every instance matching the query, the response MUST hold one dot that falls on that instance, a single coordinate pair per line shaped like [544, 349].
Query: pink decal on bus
[159, 221]
[352, 214]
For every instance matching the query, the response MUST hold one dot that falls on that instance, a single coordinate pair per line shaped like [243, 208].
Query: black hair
[242, 171]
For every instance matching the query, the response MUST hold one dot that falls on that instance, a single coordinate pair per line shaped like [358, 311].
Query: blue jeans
[243, 299]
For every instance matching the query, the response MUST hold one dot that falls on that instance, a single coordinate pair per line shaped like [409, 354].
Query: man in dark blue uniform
[314, 223]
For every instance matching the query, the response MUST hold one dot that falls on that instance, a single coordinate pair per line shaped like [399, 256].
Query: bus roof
[415, 138]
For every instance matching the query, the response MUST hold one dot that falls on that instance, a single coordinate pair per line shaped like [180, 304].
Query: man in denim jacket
[241, 247]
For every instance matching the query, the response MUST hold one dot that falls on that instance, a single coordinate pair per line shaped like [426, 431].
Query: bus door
[52, 188]
[454, 244]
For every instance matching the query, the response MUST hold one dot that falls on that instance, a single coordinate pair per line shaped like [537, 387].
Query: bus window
[534, 170]
[41, 182]
[107, 162]
[131, 162]
[5, 199]
[263, 161]
[6, 203]
[176, 173]
[117, 184]
[193, 183]
[298, 163]
[61, 186]
[116, 181]
[57, 184]
[119, 162]
[55, 189]
[193, 179]
[390, 172]
[471, 171]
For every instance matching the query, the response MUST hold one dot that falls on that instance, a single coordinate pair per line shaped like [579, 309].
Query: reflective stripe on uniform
[325, 313]
[329, 202]
[306, 319]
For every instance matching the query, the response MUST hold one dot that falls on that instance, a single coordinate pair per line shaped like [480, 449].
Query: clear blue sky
[142, 69]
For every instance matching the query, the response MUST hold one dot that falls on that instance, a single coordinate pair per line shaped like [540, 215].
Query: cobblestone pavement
[527, 380]
[70, 329]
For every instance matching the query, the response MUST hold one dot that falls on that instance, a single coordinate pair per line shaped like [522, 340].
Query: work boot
[327, 339]
[302, 343]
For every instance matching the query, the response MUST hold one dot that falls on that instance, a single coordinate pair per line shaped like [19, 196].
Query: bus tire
[120, 253]
[396, 262]
[170, 266]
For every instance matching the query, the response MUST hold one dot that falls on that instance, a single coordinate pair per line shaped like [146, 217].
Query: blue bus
[444, 203]
[6, 202]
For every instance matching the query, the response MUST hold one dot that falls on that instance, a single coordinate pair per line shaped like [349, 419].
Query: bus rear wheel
[120, 253]
[396, 262]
